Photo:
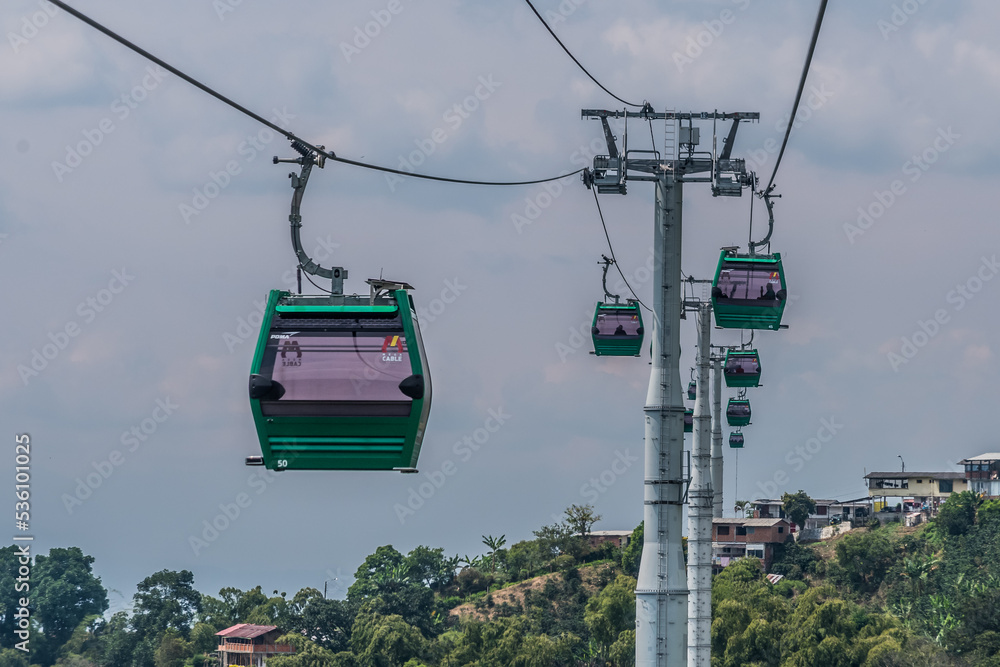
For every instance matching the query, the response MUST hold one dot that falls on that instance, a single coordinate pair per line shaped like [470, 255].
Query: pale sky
[142, 222]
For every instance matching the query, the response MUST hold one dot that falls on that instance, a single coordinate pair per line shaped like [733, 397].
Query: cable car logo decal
[397, 342]
[291, 347]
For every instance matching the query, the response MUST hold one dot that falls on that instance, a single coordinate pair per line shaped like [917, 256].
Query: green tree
[12, 657]
[307, 654]
[744, 507]
[117, 641]
[165, 600]
[632, 553]
[328, 622]
[611, 612]
[958, 514]
[431, 567]
[384, 641]
[386, 561]
[798, 506]
[581, 518]
[65, 591]
[203, 639]
[172, 649]
[494, 544]
[866, 558]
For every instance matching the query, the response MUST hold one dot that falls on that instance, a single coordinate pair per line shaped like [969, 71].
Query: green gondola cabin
[340, 382]
[736, 440]
[748, 291]
[689, 420]
[738, 412]
[617, 330]
[742, 368]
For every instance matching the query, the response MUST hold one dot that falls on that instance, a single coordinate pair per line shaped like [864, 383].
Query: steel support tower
[717, 436]
[700, 498]
[662, 590]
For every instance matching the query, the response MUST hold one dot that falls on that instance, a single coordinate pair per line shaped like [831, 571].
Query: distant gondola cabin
[617, 330]
[742, 368]
[738, 412]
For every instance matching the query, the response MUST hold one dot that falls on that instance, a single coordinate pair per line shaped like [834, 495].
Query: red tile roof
[246, 630]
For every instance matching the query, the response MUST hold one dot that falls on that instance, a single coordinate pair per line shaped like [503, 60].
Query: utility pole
[662, 591]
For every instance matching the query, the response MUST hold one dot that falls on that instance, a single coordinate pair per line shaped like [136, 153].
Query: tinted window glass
[738, 365]
[744, 281]
[738, 410]
[616, 322]
[360, 366]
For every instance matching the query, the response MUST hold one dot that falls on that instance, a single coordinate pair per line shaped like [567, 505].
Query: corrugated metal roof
[612, 533]
[916, 475]
[751, 522]
[993, 456]
[246, 630]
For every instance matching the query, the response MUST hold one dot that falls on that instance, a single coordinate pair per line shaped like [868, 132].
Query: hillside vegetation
[885, 596]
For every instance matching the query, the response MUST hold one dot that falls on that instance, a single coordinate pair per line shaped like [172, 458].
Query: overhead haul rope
[612, 251]
[288, 135]
[765, 194]
[559, 41]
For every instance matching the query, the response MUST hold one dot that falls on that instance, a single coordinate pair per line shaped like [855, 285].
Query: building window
[723, 530]
[741, 530]
[781, 529]
[821, 510]
[920, 481]
[750, 530]
[945, 485]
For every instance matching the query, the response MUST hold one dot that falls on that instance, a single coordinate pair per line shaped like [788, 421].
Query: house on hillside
[739, 538]
[827, 511]
[982, 473]
[247, 645]
[923, 489]
[620, 538]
